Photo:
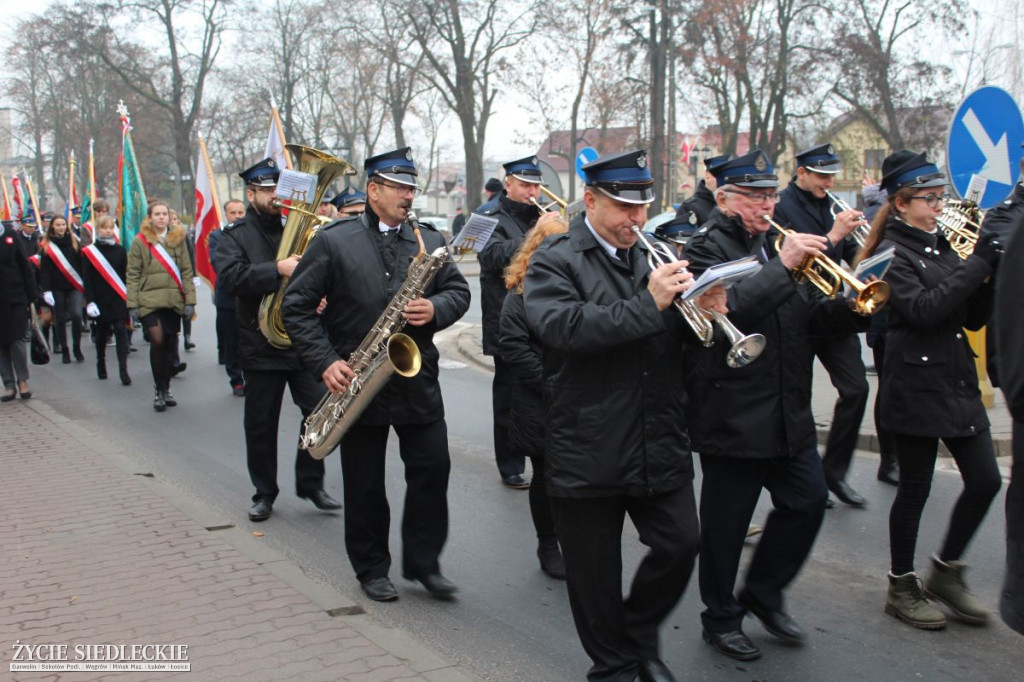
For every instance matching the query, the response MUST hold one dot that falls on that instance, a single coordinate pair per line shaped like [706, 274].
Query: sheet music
[724, 274]
[475, 233]
[876, 265]
[295, 185]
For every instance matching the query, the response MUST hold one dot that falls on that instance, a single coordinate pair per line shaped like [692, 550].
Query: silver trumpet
[743, 349]
[860, 233]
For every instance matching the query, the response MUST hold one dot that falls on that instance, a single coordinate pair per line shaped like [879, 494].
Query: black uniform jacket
[929, 385]
[1009, 291]
[360, 273]
[514, 219]
[247, 269]
[613, 372]
[50, 277]
[522, 351]
[17, 286]
[762, 410]
[802, 211]
[221, 298]
[110, 303]
[697, 209]
[1004, 221]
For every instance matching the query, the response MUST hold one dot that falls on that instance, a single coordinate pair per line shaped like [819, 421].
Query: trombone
[742, 350]
[829, 277]
[556, 202]
[839, 205]
[957, 227]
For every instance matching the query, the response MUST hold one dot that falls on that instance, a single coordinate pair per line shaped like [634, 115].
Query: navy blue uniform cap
[907, 169]
[820, 159]
[527, 170]
[348, 197]
[624, 177]
[750, 170]
[262, 174]
[396, 166]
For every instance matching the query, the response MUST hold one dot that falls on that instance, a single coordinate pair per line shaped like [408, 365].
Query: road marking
[997, 156]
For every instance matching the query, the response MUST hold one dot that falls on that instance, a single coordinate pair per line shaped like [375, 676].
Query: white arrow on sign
[997, 156]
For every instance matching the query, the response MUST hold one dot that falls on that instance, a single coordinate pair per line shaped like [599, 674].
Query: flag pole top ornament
[122, 111]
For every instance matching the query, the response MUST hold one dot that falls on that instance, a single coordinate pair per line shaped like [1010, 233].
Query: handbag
[40, 351]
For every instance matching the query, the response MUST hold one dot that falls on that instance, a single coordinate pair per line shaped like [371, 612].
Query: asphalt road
[511, 622]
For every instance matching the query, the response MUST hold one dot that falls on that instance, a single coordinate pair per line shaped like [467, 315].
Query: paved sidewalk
[93, 555]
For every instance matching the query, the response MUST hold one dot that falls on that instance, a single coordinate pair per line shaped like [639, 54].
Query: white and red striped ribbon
[65, 267]
[160, 253]
[106, 270]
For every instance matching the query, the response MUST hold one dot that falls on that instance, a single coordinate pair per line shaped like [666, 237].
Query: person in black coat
[929, 386]
[60, 278]
[516, 214]
[697, 209]
[805, 206]
[753, 426]
[615, 429]
[227, 325]
[248, 269]
[522, 351]
[17, 291]
[359, 264]
[104, 266]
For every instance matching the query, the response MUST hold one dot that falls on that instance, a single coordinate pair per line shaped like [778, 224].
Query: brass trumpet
[839, 205]
[556, 201]
[958, 228]
[743, 349]
[829, 277]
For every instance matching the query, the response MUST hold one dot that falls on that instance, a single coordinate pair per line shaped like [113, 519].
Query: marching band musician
[248, 269]
[515, 214]
[929, 386]
[805, 207]
[349, 202]
[753, 426]
[697, 209]
[615, 440]
[359, 264]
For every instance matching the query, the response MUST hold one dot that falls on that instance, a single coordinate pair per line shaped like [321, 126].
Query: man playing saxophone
[359, 264]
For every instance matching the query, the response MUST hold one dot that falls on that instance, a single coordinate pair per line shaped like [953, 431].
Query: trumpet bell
[745, 351]
[871, 298]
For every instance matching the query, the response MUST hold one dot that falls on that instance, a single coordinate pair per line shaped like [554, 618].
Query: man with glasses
[806, 207]
[350, 202]
[359, 264]
[248, 269]
[753, 427]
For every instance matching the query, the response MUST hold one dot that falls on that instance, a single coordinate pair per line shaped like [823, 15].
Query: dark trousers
[616, 632]
[540, 503]
[976, 459]
[509, 463]
[886, 438]
[105, 328]
[227, 344]
[840, 355]
[424, 452]
[68, 308]
[728, 497]
[1011, 603]
[262, 413]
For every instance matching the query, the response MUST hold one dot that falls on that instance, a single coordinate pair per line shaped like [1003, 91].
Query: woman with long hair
[523, 354]
[160, 293]
[929, 386]
[60, 278]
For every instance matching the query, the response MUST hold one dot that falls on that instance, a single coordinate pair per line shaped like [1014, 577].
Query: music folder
[475, 233]
[723, 274]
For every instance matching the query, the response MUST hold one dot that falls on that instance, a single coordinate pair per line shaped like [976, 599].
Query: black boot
[158, 401]
[551, 561]
[65, 356]
[125, 379]
[101, 367]
[79, 356]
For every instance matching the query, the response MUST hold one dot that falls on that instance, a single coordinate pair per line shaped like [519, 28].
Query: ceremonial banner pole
[7, 215]
[208, 214]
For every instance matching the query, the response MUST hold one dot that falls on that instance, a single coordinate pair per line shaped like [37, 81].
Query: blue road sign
[585, 156]
[985, 139]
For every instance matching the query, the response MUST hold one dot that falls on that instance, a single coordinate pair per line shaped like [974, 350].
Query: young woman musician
[160, 292]
[106, 264]
[929, 386]
[60, 278]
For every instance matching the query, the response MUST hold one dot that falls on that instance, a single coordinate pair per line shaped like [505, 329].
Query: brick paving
[91, 555]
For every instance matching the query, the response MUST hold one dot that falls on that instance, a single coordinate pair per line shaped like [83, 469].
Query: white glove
[92, 310]
[196, 281]
[48, 297]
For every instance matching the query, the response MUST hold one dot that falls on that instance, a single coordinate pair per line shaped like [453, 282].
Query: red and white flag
[208, 215]
[275, 140]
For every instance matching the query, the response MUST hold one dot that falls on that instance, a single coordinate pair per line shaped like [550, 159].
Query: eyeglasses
[402, 189]
[932, 199]
[756, 197]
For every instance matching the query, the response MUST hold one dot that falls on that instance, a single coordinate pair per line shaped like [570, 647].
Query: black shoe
[777, 623]
[101, 369]
[516, 481]
[179, 368]
[188, 343]
[733, 644]
[655, 670]
[437, 585]
[78, 355]
[321, 499]
[238, 390]
[845, 493]
[158, 402]
[125, 379]
[65, 357]
[7, 397]
[380, 589]
[169, 399]
[829, 503]
[551, 561]
[889, 472]
[261, 510]
[132, 348]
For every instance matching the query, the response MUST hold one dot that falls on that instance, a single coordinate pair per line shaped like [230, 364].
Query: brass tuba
[299, 229]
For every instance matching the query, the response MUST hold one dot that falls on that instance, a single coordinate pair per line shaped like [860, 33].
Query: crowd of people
[599, 380]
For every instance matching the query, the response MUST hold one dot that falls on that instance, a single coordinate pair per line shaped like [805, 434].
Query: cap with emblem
[262, 174]
[678, 230]
[713, 162]
[348, 197]
[28, 219]
[907, 169]
[820, 159]
[527, 170]
[750, 170]
[624, 177]
[47, 216]
[77, 210]
[396, 166]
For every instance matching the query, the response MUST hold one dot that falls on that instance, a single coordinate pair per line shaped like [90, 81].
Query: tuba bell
[299, 229]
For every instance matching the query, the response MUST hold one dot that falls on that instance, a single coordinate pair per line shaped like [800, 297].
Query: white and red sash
[35, 260]
[65, 267]
[164, 258]
[106, 270]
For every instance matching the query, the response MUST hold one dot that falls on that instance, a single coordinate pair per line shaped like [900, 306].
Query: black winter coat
[929, 385]
[762, 410]
[360, 272]
[697, 209]
[1004, 221]
[613, 372]
[1010, 332]
[247, 270]
[221, 298]
[17, 287]
[802, 211]
[514, 220]
[51, 278]
[522, 351]
[106, 298]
